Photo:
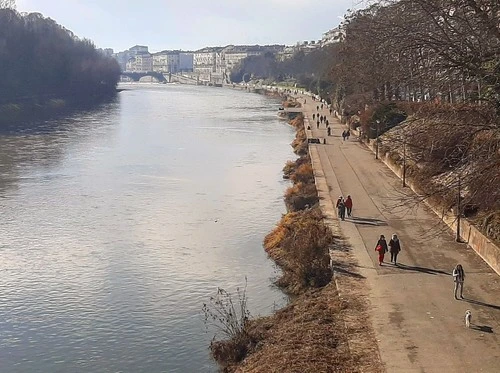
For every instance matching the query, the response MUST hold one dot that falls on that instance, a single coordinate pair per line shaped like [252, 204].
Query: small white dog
[468, 318]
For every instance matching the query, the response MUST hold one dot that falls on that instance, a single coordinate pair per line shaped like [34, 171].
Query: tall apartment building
[205, 62]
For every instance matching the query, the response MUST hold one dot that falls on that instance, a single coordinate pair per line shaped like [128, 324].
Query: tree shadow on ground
[367, 221]
[479, 303]
[338, 268]
[482, 328]
[429, 271]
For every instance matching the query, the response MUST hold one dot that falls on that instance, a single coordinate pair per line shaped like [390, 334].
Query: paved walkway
[419, 325]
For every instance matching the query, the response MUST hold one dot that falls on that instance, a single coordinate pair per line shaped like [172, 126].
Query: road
[418, 324]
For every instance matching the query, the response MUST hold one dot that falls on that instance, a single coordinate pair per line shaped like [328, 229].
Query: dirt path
[418, 324]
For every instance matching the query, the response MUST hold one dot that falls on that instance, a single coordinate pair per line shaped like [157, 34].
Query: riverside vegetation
[310, 334]
[428, 74]
[47, 69]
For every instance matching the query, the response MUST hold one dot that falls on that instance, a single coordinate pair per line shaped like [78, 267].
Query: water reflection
[118, 224]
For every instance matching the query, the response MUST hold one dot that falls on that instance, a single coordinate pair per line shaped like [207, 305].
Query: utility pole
[376, 140]
[459, 209]
[404, 160]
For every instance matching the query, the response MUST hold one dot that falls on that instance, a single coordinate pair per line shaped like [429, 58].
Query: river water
[118, 224]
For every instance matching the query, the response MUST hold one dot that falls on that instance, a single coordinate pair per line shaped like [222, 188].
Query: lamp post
[404, 160]
[459, 209]
[376, 139]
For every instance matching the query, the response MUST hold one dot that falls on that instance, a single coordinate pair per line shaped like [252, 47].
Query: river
[117, 224]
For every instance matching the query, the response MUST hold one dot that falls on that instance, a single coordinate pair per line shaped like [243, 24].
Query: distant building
[186, 61]
[140, 63]
[124, 57]
[205, 62]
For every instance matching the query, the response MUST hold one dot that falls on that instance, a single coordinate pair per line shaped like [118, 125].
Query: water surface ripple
[118, 224]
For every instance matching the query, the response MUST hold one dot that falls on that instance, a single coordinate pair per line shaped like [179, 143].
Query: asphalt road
[418, 324]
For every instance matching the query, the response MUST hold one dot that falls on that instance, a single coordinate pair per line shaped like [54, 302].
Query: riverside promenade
[417, 322]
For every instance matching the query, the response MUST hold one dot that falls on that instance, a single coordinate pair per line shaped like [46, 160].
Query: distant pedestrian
[394, 248]
[317, 124]
[328, 131]
[321, 118]
[314, 116]
[327, 123]
[305, 101]
[321, 106]
[381, 247]
[343, 135]
[348, 134]
[458, 279]
[330, 111]
[317, 108]
[348, 205]
[341, 208]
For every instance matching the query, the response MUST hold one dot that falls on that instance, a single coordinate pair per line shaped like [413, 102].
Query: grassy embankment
[447, 148]
[311, 333]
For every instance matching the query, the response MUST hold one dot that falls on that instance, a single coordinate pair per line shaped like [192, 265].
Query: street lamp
[404, 160]
[459, 208]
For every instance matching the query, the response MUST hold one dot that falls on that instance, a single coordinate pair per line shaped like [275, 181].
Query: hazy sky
[192, 24]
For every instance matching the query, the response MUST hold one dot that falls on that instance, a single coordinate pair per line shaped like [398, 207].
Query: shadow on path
[482, 328]
[345, 271]
[367, 221]
[479, 303]
[429, 271]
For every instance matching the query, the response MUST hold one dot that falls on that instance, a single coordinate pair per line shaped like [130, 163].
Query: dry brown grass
[300, 244]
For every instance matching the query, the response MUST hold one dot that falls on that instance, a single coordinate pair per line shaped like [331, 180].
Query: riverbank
[319, 330]
[28, 110]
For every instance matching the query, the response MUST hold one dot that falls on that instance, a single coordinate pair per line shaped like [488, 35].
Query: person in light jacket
[394, 248]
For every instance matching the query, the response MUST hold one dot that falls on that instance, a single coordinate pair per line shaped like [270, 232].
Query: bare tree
[7, 4]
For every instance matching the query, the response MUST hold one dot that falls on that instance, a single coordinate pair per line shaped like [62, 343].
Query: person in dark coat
[340, 207]
[348, 205]
[394, 248]
[381, 247]
[458, 279]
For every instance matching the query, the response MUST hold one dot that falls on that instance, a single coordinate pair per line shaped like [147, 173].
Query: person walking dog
[394, 248]
[381, 247]
[458, 279]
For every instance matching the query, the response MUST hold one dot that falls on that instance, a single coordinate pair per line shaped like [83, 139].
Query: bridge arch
[136, 76]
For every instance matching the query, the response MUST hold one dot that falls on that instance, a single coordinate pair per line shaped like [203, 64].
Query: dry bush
[300, 244]
[306, 336]
[291, 104]
[303, 174]
[301, 196]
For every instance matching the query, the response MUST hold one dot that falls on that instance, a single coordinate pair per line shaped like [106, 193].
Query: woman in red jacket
[381, 247]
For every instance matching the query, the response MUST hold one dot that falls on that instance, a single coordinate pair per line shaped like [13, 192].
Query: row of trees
[434, 64]
[40, 59]
[421, 50]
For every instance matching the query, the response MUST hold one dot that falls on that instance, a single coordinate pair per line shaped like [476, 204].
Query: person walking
[343, 135]
[340, 207]
[394, 248]
[328, 131]
[342, 210]
[314, 116]
[348, 134]
[348, 205]
[458, 279]
[381, 247]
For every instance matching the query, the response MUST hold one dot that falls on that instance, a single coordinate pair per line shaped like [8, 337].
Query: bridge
[136, 76]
